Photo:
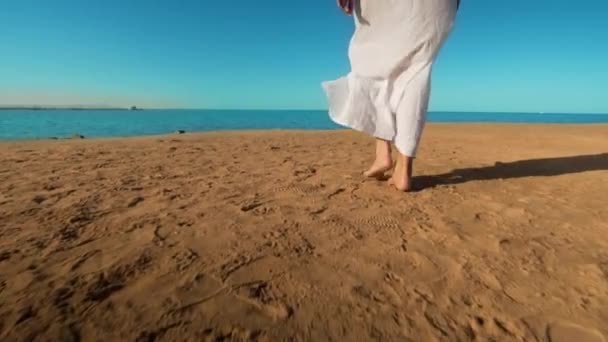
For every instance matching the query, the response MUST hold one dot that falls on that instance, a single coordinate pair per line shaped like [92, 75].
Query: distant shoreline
[76, 108]
[274, 131]
[66, 108]
[37, 124]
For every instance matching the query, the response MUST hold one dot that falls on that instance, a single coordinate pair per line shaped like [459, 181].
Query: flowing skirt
[391, 53]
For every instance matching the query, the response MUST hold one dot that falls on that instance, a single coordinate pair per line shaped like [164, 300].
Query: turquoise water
[34, 124]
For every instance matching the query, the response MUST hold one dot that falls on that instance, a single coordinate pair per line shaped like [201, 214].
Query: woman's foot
[402, 176]
[383, 162]
[379, 168]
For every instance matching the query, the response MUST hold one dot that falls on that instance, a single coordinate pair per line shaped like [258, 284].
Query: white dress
[386, 94]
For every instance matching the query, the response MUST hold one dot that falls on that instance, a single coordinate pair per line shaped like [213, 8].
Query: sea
[45, 124]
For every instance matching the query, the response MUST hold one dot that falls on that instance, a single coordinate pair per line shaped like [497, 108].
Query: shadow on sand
[519, 169]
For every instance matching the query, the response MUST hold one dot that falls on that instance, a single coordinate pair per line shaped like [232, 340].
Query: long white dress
[386, 94]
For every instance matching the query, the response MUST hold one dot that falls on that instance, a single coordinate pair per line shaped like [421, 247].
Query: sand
[275, 236]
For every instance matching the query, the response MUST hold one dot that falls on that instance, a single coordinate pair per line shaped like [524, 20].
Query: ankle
[384, 160]
[406, 165]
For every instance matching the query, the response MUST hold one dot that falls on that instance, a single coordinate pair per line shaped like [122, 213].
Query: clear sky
[516, 55]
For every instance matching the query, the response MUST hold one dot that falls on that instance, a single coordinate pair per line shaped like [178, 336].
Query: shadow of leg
[547, 167]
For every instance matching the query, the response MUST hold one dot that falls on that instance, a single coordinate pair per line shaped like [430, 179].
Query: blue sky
[517, 55]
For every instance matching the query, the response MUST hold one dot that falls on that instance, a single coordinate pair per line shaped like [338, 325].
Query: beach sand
[275, 236]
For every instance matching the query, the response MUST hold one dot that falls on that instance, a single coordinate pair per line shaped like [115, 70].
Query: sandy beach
[273, 236]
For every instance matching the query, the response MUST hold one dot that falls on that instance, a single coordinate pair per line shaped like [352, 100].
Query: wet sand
[275, 236]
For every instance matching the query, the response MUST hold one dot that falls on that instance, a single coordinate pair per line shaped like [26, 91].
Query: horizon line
[108, 107]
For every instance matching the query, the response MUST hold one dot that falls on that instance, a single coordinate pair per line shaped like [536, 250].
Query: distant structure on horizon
[54, 107]
[135, 108]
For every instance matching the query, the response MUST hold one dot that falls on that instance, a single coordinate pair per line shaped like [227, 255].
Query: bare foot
[379, 168]
[383, 162]
[402, 176]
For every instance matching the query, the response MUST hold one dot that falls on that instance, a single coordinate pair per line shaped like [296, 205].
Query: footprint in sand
[84, 258]
[184, 259]
[5, 255]
[300, 189]
[483, 327]
[261, 296]
[38, 199]
[379, 223]
[250, 206]
[305, 173]
[135, 201]
[317, 210]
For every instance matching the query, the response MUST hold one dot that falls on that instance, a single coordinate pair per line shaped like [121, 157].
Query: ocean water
[42, 124]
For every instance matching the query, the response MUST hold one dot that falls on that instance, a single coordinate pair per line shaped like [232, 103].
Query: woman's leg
[384, 159]
[410, 119]
[402, 176]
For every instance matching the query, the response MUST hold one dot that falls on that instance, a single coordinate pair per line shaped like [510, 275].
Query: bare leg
[402, 176]
[384, 160]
